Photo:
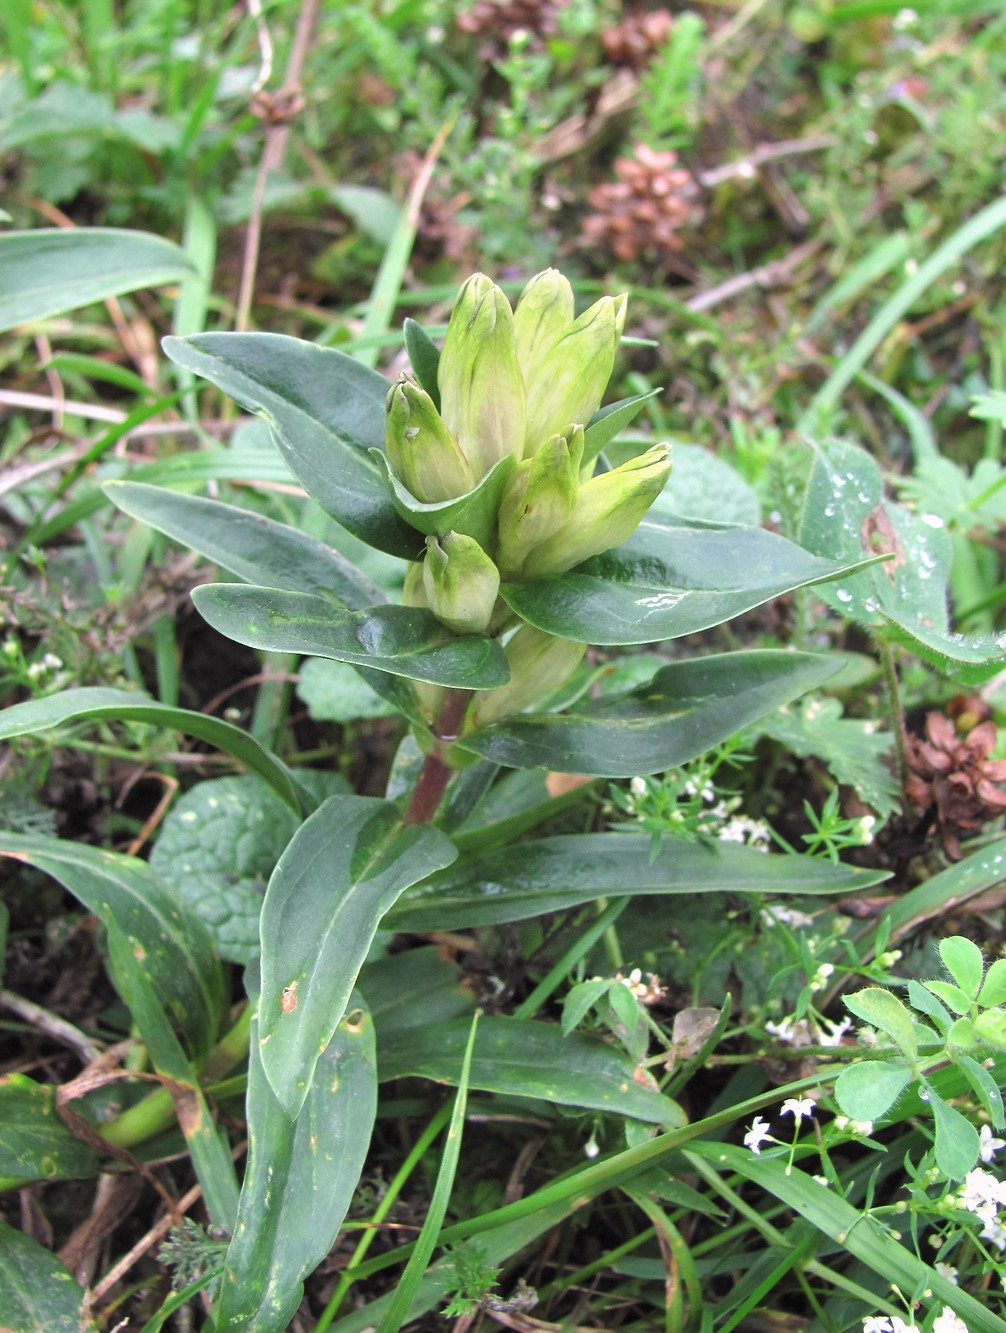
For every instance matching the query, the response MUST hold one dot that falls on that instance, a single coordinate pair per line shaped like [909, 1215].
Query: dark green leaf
[414, 988]
[207, 1145]
[868, 1090]
[343, 870]
[671, 578]
[300, 1179]
[37, 1294]
[686, 709]
[34, 1142]
[554, 874]
[254, 548]
[45, 272]
[174, 943]
[606, 423]
[424, 355]
[473, 513]
[523, 1058]
[403, 640]
[95, 703]
[325, 412]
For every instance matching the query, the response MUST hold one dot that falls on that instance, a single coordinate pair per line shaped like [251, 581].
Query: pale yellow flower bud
[461, 583]
[538, 500]
[539, 663]
[423, 454]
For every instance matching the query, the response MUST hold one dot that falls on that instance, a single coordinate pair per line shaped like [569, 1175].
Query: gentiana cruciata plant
[483, 470]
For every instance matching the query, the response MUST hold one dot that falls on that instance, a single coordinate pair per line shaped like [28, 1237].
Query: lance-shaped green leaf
[343, 869]
[37, 1293]
[34, 1142]
[255, 548]
[325, 411]
[51, 270]
[299, 1181]
[403, 640]
[683, 711]
[174, 943]
[555, 874]
[94, 703]
[845, 517]
[424, 355]
[957, 1142]
[608, 421]
[473, 513]
[671, 578]
[523, 1058]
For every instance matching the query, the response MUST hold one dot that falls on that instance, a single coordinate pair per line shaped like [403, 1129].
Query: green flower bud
[608, 509]
[461, 583]
[544, 312]
[423, 454]
[538, 499]
[413, 592]
[482, 399]
[539, 663]
[565, 384]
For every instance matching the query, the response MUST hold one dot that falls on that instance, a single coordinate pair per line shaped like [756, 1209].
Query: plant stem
[435, 774]
[896, 712]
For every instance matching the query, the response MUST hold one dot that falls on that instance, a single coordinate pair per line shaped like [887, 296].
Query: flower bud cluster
[517, 384]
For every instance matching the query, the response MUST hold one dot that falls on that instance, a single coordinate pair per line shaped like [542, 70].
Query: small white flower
[948, 1322]
[798, 1107]
[899, 1325]
[638, 787]
[948, 1271]
[822, 1180]
[982, 1194]
[987, 1145]
[590, 1148]
[864, 1128]
[877, 1323]
[757, 1134]
[835, 1033]
[791, 1031]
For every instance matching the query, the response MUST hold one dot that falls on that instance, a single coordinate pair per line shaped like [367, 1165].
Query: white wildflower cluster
[791, 1031]
[775, 914]
[799, 1108]
[48, 664]
[861, 1128]
[984, 1194]
[646, 992]
[739, 828]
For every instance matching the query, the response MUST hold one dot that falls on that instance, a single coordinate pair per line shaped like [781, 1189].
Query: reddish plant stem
[435, 774]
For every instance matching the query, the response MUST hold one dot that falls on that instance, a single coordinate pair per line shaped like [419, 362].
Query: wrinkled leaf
[845, 518]
[325, 411]
[179, 958]
[405, 641]
[34, 1142]
[673, 577]
[686, 709]
[337, 692]
[45, 272]
[524, 1058]
[554, 874]
[300, 1179]
[343, 870]
[256, 549]
[96, 703]
[37, 1293]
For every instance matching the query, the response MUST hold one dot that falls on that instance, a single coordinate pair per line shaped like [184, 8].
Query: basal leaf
[671, 578]
[34, 1142]
[524, 1058]
[48, 271]
[846, 517]
[687, 708]
[558, 873]
[300, 1179]
[325, 411]
[96, 703]
[405, 641]
[255, 548]
[180, 962]
[37, 1293]
[343, 870]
